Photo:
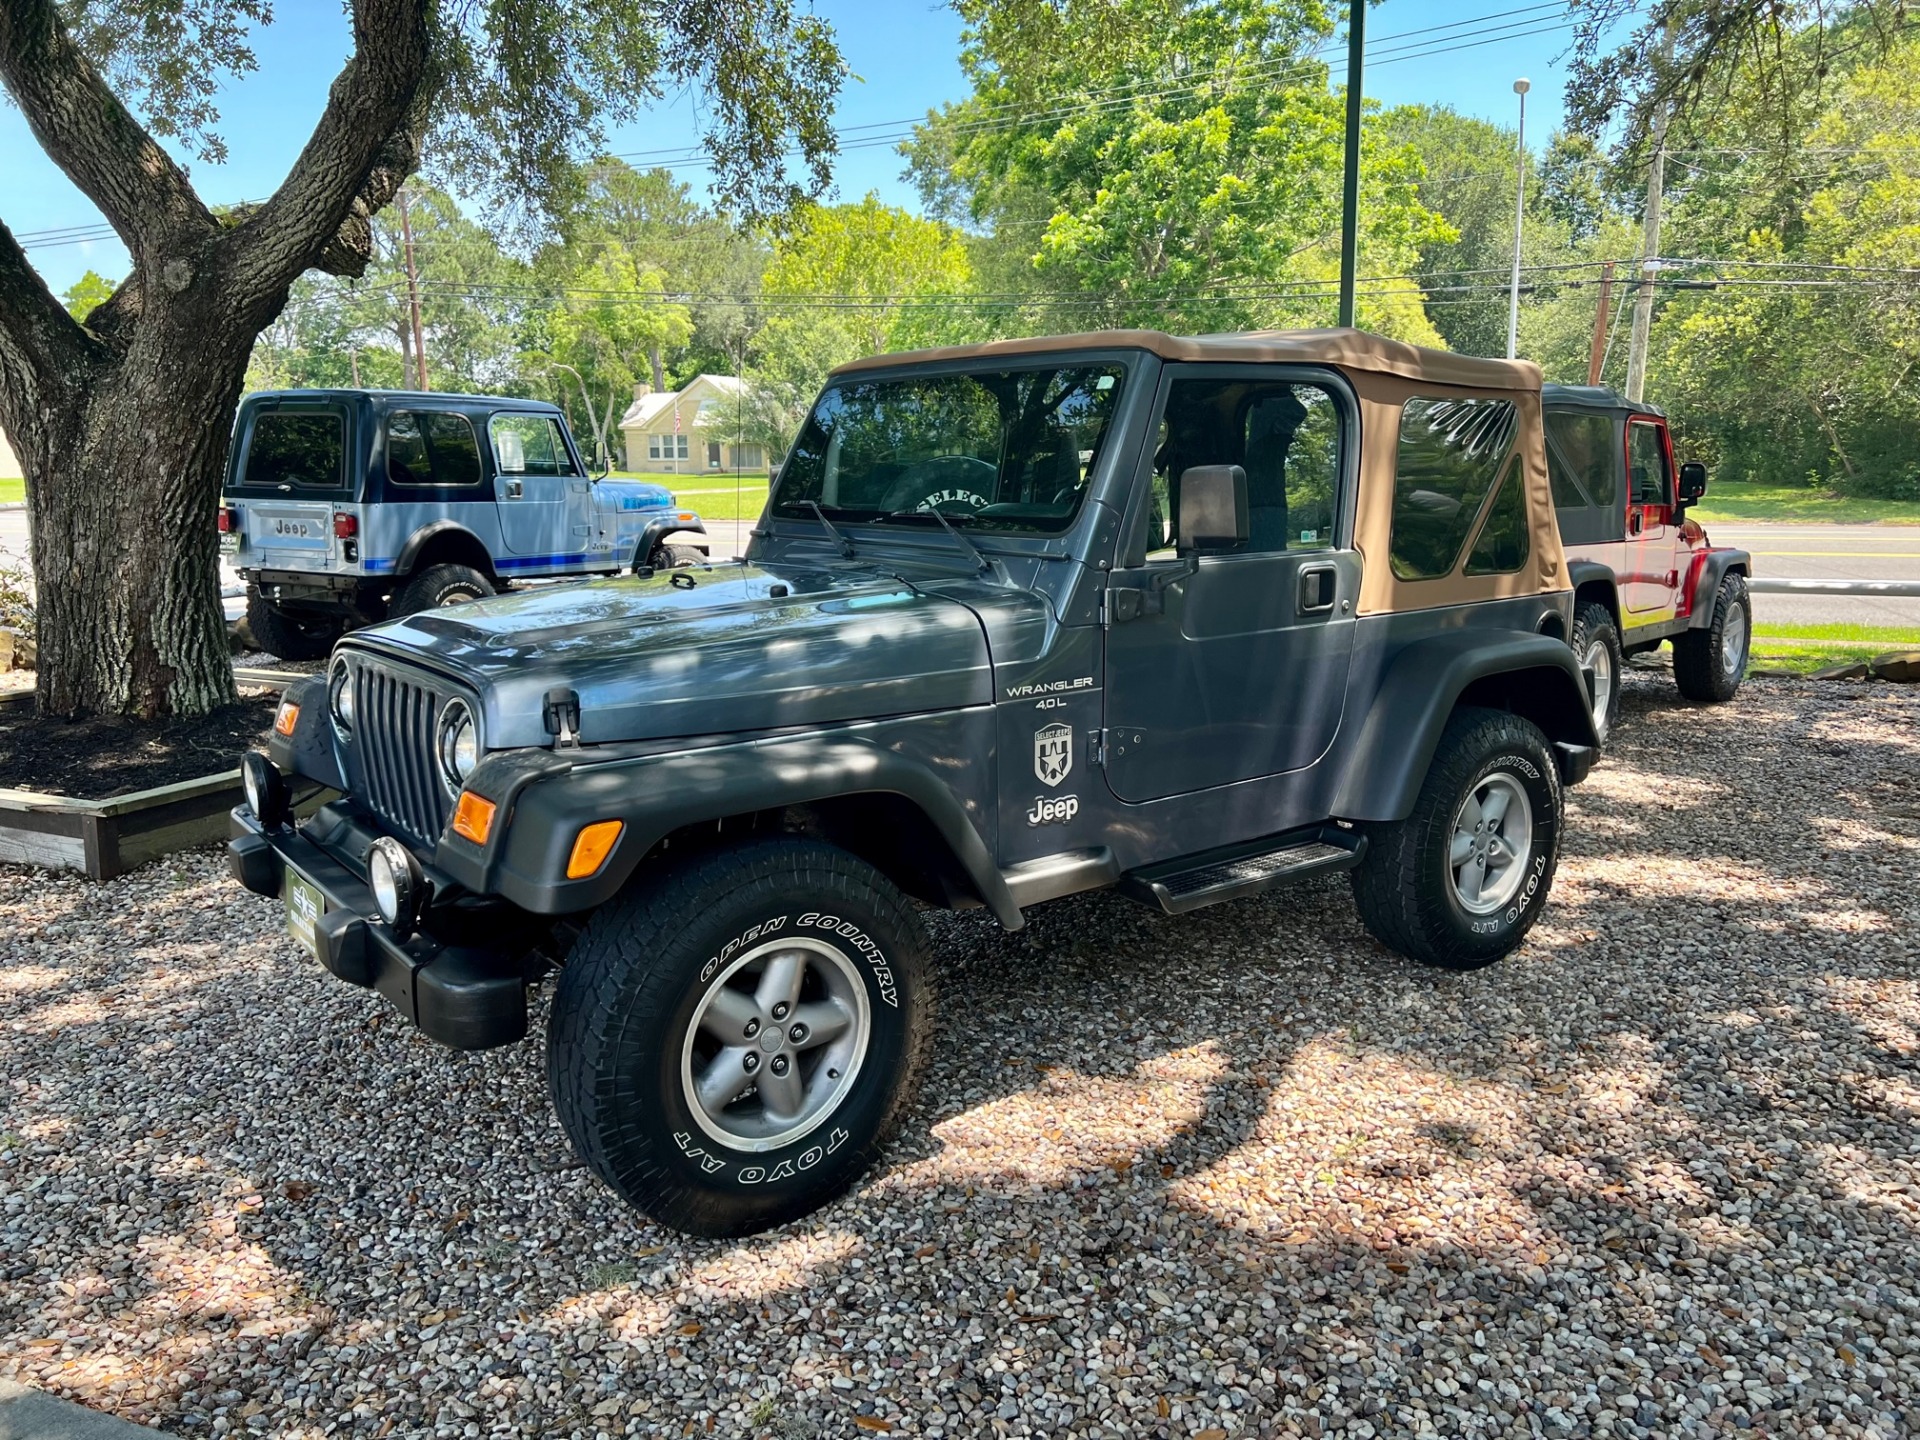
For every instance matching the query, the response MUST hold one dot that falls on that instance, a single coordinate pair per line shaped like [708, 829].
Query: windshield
[995, 450]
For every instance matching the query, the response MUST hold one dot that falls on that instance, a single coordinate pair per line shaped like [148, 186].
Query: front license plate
[305, 906]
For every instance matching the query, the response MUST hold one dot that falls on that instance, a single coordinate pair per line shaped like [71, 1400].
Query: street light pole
[1350, 179]
[1520, 88]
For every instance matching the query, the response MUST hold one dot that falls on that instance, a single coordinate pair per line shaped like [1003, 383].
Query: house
[9, 462]
[680, 432]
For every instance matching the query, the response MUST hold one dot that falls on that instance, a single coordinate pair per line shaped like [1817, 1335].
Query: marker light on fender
[590, 850]
[473, 817]
[287, 717]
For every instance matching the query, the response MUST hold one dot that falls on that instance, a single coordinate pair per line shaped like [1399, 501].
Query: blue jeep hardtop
[347, 506]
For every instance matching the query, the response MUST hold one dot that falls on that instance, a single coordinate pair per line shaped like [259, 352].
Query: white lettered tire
[735, 1038]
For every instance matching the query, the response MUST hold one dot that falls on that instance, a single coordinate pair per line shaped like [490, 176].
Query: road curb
[1763, 585]
[10, 505]
[27, 1414]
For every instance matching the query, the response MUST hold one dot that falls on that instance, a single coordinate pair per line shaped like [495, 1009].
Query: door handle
[1633, 523]
[516, 489]
[1317, 586]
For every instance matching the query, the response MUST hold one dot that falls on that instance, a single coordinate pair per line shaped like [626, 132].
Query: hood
[632, 495]
[700, 652]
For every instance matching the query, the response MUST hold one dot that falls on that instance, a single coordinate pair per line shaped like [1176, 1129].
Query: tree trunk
[125, 549]
[659, 370]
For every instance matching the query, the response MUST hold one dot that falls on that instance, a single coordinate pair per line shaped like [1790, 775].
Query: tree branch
[365, 145]
[90, 135]
[39, 341]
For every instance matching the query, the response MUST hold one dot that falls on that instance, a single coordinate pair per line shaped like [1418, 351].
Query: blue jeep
[343, 507]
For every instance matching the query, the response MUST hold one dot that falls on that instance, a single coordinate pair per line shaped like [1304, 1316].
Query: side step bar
[1236, 871]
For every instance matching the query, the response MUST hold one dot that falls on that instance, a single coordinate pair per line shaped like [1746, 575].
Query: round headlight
[459, 744]
[394, 880]
[340, 688]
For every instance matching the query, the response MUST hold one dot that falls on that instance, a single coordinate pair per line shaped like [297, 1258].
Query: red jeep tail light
[345, 527]
[229, 519]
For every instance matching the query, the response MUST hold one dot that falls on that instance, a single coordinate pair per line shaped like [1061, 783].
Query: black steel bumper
[468, 997]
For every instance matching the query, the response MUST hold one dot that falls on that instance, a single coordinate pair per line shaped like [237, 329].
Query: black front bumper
[469, 997]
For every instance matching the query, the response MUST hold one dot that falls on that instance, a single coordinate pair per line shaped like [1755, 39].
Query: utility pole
[1598, 351]
[1350, 186]
[1650, 239]
[413, 296]
[355, 355]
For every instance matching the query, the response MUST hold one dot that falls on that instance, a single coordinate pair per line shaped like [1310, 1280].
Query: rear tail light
[229, 520]
[345, 526]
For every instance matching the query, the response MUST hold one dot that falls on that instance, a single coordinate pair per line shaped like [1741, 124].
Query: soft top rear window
[304, 449]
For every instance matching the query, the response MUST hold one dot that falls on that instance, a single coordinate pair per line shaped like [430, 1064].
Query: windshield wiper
[946, 525]
[846, 545]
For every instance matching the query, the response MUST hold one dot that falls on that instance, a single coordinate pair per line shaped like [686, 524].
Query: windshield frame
[1136, 368]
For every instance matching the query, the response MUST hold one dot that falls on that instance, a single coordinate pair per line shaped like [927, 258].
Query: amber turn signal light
[286, 718]
[591, 848]
[473, 817]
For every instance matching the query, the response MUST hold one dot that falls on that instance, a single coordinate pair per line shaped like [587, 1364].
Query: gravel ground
[1237, 1173]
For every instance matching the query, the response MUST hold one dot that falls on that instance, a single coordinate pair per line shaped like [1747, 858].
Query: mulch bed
[100, 758]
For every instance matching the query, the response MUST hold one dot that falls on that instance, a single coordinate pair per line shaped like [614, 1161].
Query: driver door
[1232, 666]
[1650, 585]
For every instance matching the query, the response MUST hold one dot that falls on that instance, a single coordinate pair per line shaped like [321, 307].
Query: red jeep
[1641, 571]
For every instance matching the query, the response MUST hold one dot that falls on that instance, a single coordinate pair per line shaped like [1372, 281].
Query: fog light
[395, 881]
[265, 790]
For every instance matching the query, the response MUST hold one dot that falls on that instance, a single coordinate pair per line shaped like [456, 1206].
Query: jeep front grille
[393, 738]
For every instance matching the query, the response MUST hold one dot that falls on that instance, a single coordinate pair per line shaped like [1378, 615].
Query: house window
[653, 447]
[713, 454]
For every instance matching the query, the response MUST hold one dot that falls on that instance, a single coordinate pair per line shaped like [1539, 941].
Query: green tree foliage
[852, 280]
[1166, 164]
[85, 293]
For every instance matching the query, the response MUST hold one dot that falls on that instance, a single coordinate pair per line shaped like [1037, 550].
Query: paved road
[1822, 552]
[1862, 552]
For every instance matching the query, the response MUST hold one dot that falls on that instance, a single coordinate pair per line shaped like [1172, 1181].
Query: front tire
[1460, 881]
[439, 585]
[1709, 664]
[287, 635]
[1596, 644]
[733, 1040]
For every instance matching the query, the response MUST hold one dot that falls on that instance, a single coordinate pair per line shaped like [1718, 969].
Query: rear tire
[439, 585]
[1439, 888]
[671, 999]
[288, 635]
[1596, 643]
[1710, 663]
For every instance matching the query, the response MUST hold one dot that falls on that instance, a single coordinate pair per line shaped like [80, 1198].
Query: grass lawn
[1887, 637]
[1732, 503]
[1805, 659]
[12, 490]
[1806, 648]
[713, 493]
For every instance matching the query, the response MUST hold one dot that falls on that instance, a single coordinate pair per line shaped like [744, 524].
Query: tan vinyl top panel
[1350, 350]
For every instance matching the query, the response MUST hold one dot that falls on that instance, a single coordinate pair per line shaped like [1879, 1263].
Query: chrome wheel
[1492, 838]
[1599, 659]
[1733, 640]
[775, 1045]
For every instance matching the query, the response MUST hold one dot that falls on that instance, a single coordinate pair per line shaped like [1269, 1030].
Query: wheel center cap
[770, 1038]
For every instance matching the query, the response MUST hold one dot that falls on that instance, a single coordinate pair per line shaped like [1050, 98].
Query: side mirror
[1693, 481]
[1213, 507]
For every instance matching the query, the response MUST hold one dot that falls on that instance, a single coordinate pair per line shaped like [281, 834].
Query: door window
[1580, 461]
[431, 448]
[1452, 453]
[1284, 435]
[529, 445]
[1647, 464]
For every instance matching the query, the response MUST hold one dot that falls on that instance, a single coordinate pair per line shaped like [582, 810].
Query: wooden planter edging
[106, 838]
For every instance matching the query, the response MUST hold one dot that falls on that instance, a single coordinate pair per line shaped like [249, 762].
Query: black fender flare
[1533, 675]
[426, 535]
[1706, 582]
[658, 530]
[1582, 573]
[545, 797]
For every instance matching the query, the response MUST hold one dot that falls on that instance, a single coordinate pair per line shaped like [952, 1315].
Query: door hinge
[1097, 747]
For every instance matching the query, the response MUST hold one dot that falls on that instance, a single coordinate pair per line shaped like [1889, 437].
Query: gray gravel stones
[1237, 1173]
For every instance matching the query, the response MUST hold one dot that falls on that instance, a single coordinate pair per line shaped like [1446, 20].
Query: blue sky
[903, 53]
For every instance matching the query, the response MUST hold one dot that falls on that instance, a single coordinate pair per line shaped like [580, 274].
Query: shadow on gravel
[1241, 1170]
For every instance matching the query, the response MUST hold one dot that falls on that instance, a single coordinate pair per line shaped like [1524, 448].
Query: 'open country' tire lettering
[867, 947]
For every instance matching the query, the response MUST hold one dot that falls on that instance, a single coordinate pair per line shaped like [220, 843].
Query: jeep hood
[699, 652]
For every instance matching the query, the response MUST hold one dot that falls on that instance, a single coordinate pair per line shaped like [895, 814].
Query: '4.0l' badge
[1053, 753]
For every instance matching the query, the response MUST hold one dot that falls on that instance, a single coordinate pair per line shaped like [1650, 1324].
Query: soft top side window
[1581, 460]
[433, 447]
[1452, 453]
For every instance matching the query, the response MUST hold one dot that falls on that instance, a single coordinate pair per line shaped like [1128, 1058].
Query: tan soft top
[1355, 350]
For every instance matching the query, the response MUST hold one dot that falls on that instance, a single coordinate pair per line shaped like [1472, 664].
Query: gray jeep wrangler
[1190, 618]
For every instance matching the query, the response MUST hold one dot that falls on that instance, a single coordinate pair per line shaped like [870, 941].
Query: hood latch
[561, 714]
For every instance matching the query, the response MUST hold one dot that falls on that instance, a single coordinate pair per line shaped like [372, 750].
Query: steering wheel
[957, 481]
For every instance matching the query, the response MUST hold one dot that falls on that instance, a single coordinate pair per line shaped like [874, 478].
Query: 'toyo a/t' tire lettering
[734, 1039]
